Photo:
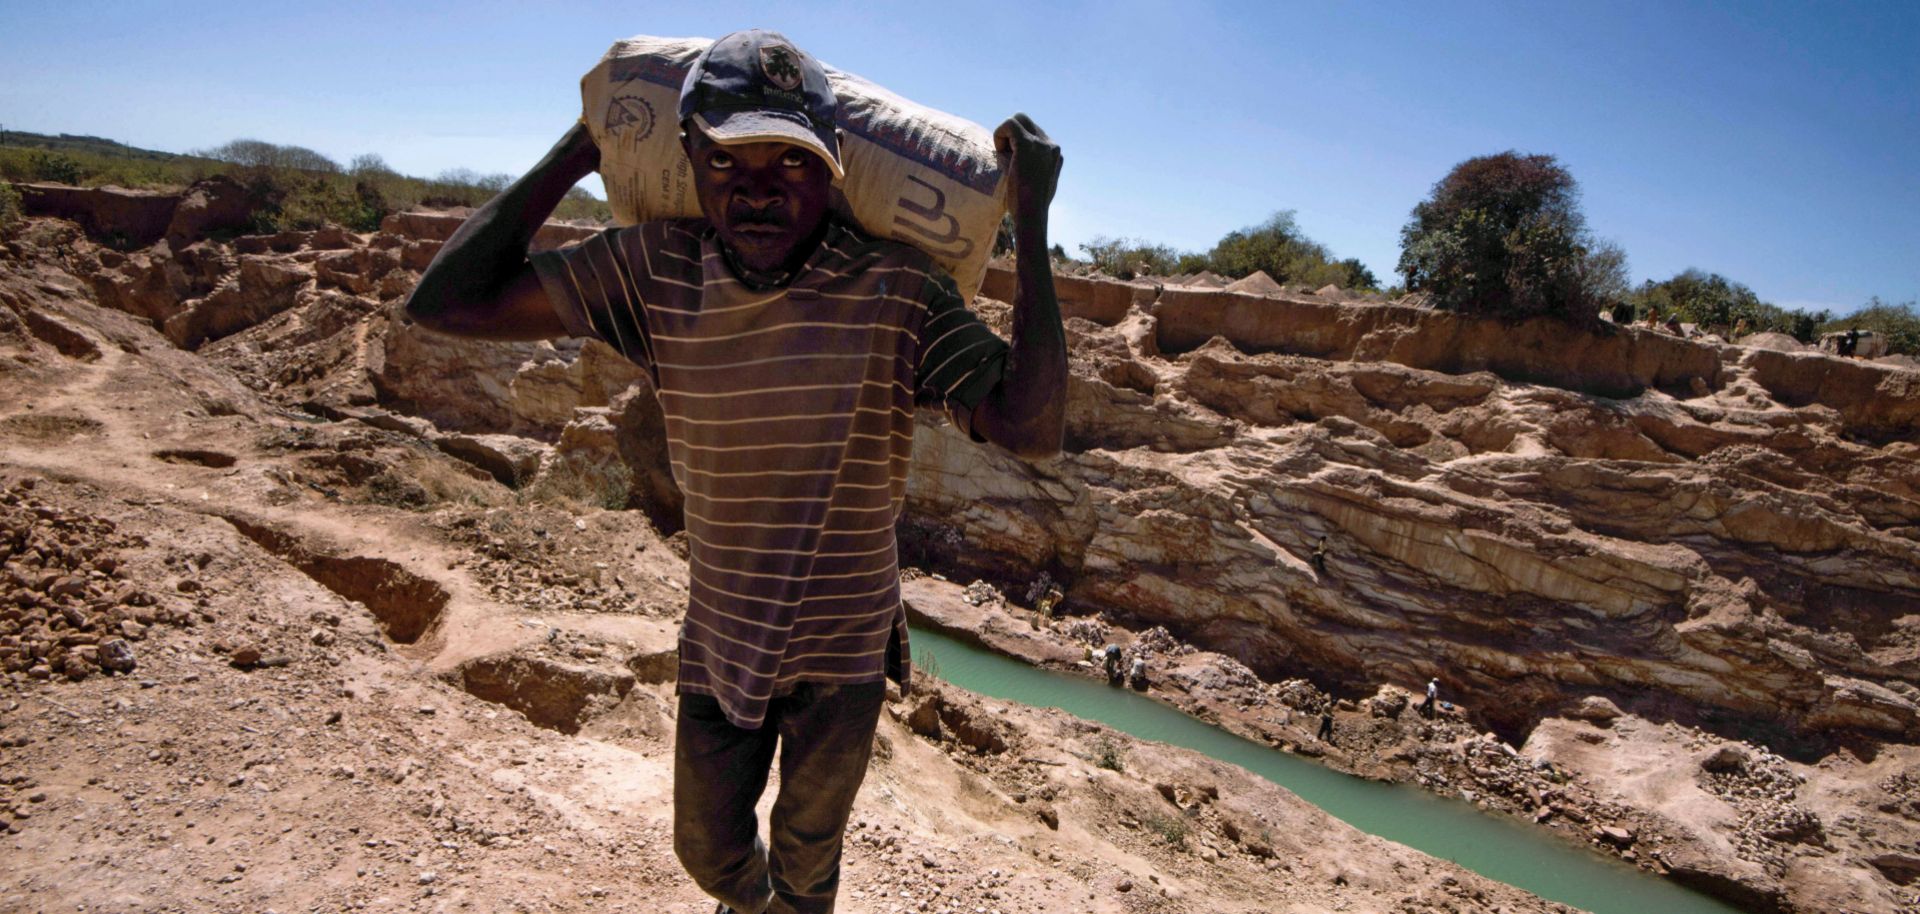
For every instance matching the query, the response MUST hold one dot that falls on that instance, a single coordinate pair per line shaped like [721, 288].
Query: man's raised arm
[1026, 412]
[481, 284]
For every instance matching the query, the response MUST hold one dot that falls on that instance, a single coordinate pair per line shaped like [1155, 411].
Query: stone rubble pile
[1090, 632]
[66, 607]
[981, 593]
[1764, 789]
[1158, 641]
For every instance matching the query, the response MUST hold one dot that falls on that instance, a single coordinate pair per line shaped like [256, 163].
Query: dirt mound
[1259, 283]
[1778, 342]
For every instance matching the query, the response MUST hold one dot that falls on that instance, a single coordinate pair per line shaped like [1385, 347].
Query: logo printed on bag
[776, 60]
[628, 112]
[940, 231]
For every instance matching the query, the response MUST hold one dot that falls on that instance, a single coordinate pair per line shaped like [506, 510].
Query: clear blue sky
[1777, 144]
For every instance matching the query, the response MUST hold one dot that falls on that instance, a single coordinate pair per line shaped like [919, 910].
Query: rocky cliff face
[1713, 535]
[1533, 514]
[1718, 534]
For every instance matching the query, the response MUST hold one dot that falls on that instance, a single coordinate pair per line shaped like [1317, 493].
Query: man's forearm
[1030, 402]
[462, 286]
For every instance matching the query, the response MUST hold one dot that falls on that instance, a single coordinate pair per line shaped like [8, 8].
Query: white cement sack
[914, 174]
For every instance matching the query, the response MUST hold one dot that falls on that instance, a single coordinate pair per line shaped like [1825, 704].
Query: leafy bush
[1503, 234]
[9, 208]
[1900, 324]
[1278, 247]
[53, 166]
[1171, 829]
[306, 202]
[1127, 258]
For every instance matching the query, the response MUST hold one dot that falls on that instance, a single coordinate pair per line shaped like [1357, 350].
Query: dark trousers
[825, 737]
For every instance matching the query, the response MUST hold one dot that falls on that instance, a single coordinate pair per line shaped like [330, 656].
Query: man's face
[768, 201]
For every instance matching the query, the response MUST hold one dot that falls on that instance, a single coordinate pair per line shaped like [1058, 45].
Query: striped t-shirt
[789, 423]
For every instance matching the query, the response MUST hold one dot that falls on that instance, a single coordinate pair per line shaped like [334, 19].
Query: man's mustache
[746, 215]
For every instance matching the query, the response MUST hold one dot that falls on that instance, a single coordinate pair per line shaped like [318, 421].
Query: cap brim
[771, 125]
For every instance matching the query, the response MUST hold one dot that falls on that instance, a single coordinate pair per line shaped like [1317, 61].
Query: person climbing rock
[787, 349]
[1320, 556]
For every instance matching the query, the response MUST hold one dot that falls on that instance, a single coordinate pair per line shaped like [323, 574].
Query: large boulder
[216, 204]
[529, 389]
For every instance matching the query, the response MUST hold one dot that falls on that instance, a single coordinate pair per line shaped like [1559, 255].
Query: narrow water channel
[1493, 846]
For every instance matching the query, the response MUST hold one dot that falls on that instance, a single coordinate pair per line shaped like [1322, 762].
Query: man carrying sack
[788, 350]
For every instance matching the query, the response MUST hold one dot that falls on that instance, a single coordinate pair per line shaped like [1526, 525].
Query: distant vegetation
[1720, 305]
[1277, 246]
[1717, 303]
[1503, 234]
[1900, 324]
[1500, 234]
[292, 187]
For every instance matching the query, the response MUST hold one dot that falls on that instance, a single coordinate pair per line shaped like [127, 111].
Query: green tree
[370, 164]
[1358, 276]
[1503, 234]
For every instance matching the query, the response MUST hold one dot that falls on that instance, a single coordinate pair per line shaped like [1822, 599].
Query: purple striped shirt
[789, 423]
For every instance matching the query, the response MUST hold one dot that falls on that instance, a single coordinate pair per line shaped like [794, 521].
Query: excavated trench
[215, 459]
[551, 693]
[406, 605]
[554, 694]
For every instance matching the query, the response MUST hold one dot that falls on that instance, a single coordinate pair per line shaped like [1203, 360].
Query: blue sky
[1777, 144]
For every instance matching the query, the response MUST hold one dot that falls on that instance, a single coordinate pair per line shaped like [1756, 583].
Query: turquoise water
[1493, 846]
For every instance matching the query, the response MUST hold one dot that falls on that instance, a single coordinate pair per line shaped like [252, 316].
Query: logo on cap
[776, 61]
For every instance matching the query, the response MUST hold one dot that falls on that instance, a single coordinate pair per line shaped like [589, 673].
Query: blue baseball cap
[754, 86]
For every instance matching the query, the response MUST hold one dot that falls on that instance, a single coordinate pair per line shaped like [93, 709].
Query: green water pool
[1493, 846]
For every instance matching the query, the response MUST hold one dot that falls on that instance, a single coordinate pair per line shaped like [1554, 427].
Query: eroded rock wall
[1720, 534]
[1715, 533]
